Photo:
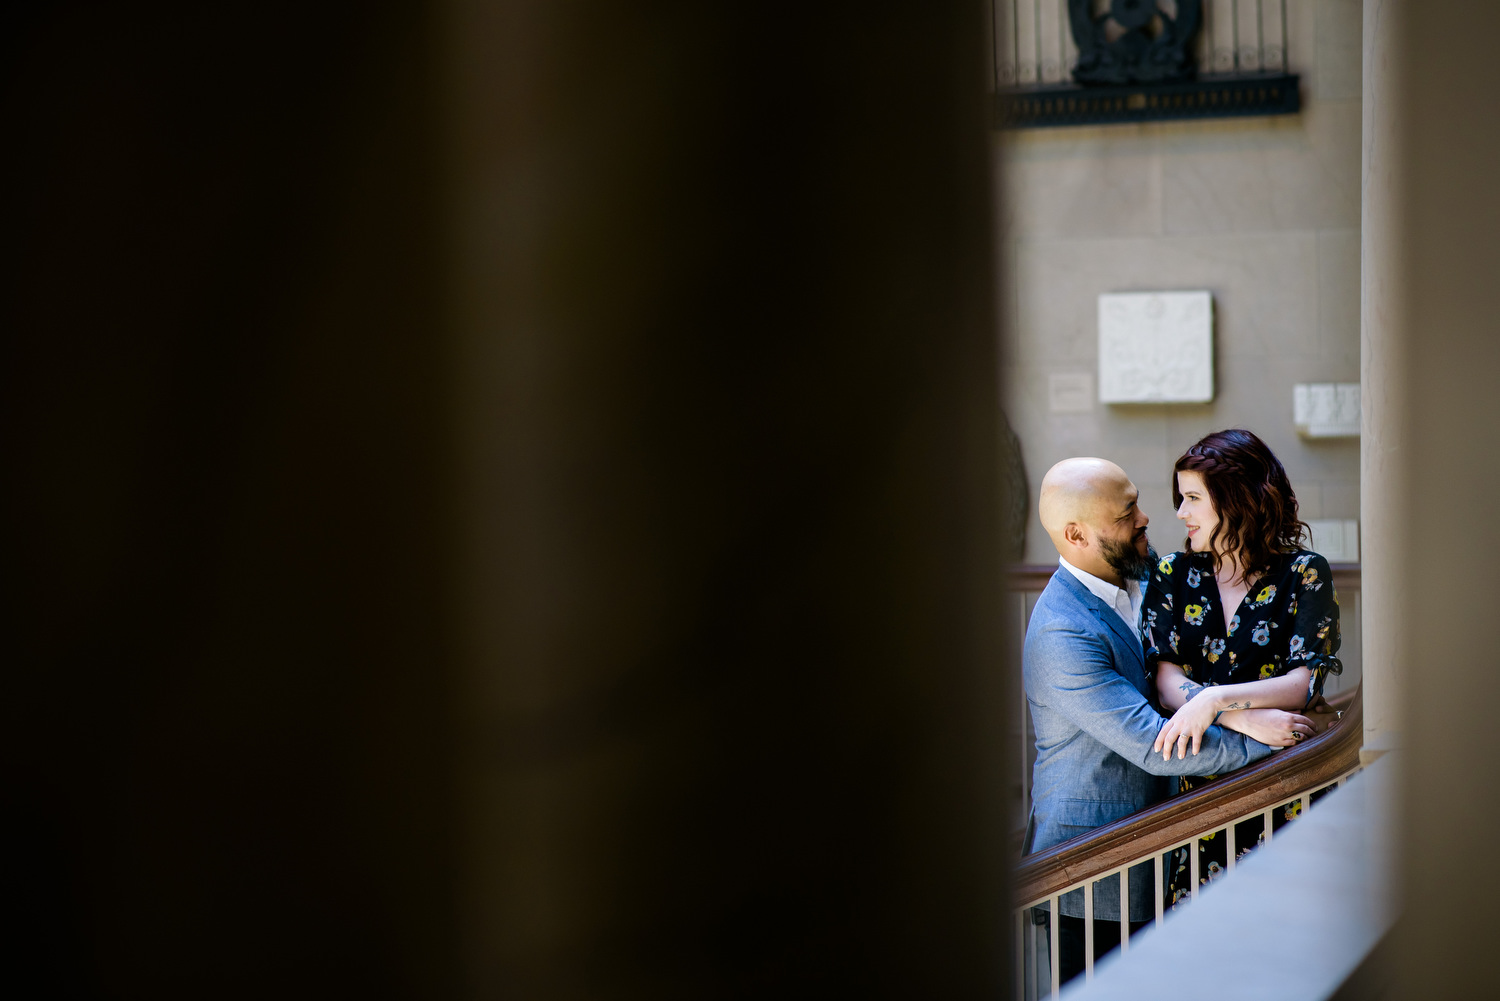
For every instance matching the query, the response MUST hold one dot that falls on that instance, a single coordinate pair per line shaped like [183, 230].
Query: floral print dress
[1288, 619]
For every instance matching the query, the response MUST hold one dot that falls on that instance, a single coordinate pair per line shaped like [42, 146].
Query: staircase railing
[1280, 786]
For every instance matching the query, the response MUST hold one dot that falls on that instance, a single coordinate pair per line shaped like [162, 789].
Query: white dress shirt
[1125, 601]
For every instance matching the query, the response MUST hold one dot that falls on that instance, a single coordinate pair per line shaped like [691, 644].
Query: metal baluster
[1062, 41]
[1015, 48]
[1088, 931]
[1157, 888]
[1266, 819]
[1206, 33]
[1053, 959]
[1124, 910]
[1260, 36]
[1233, 26]
[1021, 955]
[1285, 54]
[1193, 848]
[1031, 951]
[1230, 847]
[1036, 36]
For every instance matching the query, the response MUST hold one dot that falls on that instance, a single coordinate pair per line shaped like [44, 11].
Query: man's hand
[1322, 715]
[1273, 727]
[1187, 726]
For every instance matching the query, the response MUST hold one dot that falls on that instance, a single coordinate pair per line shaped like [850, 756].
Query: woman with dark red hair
[1244, 617]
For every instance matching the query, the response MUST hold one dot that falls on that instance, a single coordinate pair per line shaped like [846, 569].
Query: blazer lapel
[1131, 640]
[1111, 619]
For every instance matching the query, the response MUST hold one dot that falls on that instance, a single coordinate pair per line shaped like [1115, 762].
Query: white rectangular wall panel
[1326, 409]
[1337, 540]
[1156, 347]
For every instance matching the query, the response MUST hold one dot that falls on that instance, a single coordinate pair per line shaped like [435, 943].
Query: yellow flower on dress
[1165, 566]
[1266, 594]
[1266, 670]
[1193, 614]
[1293, 810]
[1309, 576]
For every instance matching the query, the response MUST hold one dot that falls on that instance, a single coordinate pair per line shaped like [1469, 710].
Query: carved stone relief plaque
[1156, 347]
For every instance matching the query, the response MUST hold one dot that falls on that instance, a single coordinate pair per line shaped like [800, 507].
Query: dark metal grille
[1240, 51]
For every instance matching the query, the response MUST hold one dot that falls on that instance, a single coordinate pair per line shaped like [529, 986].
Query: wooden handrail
[1269, 782]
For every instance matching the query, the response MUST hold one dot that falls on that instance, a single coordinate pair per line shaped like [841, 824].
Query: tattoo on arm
[1237, 705]
[1190, 687]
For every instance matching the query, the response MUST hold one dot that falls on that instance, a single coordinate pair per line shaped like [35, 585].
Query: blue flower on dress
[1194, 578]
[1234, 624]
[1262, 633]
[1296, 644]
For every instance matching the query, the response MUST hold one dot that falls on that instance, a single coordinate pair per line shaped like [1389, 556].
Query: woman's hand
[1273, 727]
[1187, 725]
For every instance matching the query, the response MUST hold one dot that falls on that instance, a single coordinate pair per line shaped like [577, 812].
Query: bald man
[1089, 694]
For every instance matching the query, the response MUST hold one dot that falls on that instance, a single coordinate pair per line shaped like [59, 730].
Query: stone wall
[1264, 213]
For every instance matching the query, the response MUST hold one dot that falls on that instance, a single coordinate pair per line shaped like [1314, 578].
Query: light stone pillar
[1450, 236]
[1382, 386]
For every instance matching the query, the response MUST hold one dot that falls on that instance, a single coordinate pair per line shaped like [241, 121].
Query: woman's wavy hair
[1251, 494]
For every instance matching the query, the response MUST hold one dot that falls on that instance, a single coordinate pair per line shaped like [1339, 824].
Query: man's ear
[1075, 536]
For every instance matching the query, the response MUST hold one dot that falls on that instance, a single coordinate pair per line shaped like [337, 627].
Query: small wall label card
[1070, 392]
[1156, 347]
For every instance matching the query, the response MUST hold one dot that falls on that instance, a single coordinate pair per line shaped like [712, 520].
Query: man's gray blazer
[1086, 686]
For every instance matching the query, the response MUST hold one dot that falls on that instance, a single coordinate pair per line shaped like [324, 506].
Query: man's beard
[1126, 560]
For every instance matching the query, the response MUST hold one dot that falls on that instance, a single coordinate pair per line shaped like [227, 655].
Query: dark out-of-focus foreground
[503, 501]
[508, 500]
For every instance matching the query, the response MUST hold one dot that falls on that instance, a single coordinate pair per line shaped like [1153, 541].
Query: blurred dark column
[730, 658]
[503, 502]
[1451, 241]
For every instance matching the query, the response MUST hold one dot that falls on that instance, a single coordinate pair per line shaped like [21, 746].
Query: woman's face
[1196, 510]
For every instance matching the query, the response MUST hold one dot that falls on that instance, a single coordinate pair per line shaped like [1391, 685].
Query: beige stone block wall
[1264, 213]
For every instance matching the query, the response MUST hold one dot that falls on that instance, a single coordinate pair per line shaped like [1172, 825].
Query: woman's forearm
[1286, 692]
[1173, 687]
